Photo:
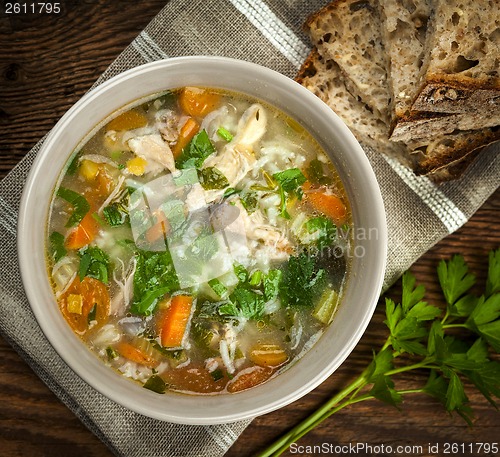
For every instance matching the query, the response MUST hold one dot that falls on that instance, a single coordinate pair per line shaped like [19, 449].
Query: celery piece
[224, 134]
[219, 288]
[326, 307]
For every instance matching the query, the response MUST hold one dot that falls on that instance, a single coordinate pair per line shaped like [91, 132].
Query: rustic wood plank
[46, 64]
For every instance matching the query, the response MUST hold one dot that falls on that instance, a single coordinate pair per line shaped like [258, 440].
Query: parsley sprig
[425, 337]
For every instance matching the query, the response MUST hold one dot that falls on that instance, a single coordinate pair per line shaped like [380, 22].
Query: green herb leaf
[195, 153]
[219, 288]
[80, 205]
[381, 364]
[316, 174]
[249, 201]
[211, 178]
[247, 303]
[456, 400]
[454, 278]
[94, 263]
[323, 229]
[271, 283]
[493, 281]
[383, 389]
[115, 215]
[156, 384]
[154, 277]
[57, 246]
[289, 182]
[73, 165]
[302, 281]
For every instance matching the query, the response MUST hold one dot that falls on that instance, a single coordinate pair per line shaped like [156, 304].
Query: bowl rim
[361, 165]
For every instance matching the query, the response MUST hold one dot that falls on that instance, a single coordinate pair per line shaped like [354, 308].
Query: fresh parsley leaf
[381, 364]
[114, 215]
[302, 281]
[289, 182]
[219, 288]
[247, 303]
[73, 165]
[154, 277]
[211, 178]
[80, 204]
[411, 295]
[94, 263]
[249, 201]
[493, 281]
[456, 400]
[195, 153]
[271, 284]
[57, 246]
[316, 174]
[324, 230]
[383, 389]
[454, 278]
[241, 272]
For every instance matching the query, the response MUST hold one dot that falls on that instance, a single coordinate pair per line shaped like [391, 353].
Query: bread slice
[423, 125]
[462, 74]
[324, 78]
[443, 159]
[348, 32]
[403, 33]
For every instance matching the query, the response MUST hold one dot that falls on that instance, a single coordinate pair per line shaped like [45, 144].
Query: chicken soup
[198, 242]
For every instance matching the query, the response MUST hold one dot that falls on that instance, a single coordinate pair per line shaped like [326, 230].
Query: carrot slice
[83, 233]
[198, 102]
[93, 293]
[328, 204]
[135, 354]
[127, 121]
[175, 321]
[159, 230]
[188, 131]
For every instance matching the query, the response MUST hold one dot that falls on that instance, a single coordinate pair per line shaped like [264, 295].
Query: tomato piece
[93, 293]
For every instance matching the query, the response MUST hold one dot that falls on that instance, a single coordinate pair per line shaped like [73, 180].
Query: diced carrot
[135, 354]
[198, 102]
[249, 378]
[327, 204]
[91, 292]
[176, 320]
[160, 229]
[127, 121]
[188, 131]
[83, 233]
[268, 355]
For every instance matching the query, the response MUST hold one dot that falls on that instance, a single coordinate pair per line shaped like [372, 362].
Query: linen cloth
[267, 32]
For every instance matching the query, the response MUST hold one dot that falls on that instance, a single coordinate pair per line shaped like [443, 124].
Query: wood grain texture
[47, 63]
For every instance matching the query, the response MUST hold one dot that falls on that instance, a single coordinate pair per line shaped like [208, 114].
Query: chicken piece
[155, 151]
[270, 238]
[238, 157]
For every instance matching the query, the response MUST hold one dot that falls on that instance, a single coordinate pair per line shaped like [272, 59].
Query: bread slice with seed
[462, 74]
[348, 32]
[445, 158]
[404, 31]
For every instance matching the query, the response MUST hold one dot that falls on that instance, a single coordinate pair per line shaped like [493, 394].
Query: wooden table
[47, 62]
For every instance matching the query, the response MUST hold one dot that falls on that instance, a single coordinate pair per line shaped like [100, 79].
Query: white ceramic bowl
[367, 270]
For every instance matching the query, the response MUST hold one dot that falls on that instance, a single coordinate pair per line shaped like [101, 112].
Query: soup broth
[198, 242]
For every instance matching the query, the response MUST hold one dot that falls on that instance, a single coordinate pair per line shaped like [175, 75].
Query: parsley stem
[328, 408]
[415, 366]
[454, 326]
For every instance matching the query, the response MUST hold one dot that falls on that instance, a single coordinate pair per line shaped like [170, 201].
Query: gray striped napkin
[269, 33]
